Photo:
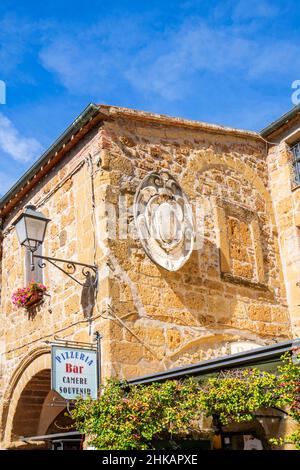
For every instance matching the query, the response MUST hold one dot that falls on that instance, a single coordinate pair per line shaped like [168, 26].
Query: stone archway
[204, 160]
[36, 361]
[30, 404]
[25, 398]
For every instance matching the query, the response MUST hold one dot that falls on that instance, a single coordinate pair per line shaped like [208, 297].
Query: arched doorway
[39, 412]
[268, 423]
[32, 408]
[235, 435]
[29, 408]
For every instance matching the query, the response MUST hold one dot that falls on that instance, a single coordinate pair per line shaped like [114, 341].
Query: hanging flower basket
[29, 296]
[34, 299]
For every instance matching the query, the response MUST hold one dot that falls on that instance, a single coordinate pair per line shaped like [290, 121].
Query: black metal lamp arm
[88, 270]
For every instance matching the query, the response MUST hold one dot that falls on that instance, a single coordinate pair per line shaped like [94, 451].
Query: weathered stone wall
[286, 200]
[231, 288]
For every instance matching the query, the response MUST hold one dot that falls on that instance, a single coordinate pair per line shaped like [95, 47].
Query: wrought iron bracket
[75, 344]
[89, 271]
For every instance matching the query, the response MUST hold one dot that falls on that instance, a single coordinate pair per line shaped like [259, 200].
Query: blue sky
[227, 62]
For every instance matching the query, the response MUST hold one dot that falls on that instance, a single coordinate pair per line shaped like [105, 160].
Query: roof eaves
[114, 112]
[284, 119]
[87, 114]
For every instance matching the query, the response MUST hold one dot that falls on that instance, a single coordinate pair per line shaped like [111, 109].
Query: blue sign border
[71, 348]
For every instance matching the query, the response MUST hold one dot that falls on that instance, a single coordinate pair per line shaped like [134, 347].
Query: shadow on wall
[88, 296]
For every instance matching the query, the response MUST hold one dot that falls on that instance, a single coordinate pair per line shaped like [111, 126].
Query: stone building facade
[239, 286]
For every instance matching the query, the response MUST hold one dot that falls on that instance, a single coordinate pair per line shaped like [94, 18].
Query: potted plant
[28, 296]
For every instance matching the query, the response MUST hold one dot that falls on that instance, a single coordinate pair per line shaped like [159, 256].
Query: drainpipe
[98, 338]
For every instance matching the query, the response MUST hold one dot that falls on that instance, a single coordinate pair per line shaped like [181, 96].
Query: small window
[296, 162]
[37, 274]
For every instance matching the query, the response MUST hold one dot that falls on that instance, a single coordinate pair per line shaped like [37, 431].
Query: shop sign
[74, 372]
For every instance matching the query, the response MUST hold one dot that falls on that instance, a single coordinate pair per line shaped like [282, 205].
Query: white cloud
[194, 48]
[6, 182]
[80, 69]
[197, 51]
[249, 9]
[242, 11]
[169, 63]
[15, 43]
[19, 148]
[89, 61]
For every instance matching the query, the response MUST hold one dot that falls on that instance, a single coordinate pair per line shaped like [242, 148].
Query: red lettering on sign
[73, 369]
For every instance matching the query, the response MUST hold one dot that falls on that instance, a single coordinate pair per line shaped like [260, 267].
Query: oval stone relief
[164, 220]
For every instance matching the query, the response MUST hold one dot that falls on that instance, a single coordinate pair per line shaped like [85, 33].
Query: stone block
[155, 336]
[72, 304]
[218, 307]
[149, 295]
[195, 301]
[61, 202]
[173, 339]
[258, 312]
[285, 206]
[244, 270]
[212, 272]
[279, 314]
[171, 299]
[127, 352]
[68, 217]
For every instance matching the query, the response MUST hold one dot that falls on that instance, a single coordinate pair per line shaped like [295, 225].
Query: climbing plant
[130, 417]
[135, 416]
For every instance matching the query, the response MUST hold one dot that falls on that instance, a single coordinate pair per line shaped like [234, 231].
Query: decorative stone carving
[164, 220]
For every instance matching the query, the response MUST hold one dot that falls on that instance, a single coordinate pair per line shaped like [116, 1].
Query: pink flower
[22, 295]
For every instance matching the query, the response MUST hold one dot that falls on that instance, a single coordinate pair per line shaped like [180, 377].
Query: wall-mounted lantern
[31, 228]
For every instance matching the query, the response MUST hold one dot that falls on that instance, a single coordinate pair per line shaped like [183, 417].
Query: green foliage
[130, 417]
[293, 438]
[133, 416]
[235, 396]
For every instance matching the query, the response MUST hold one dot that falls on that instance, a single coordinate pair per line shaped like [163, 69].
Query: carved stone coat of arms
[164, 220]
